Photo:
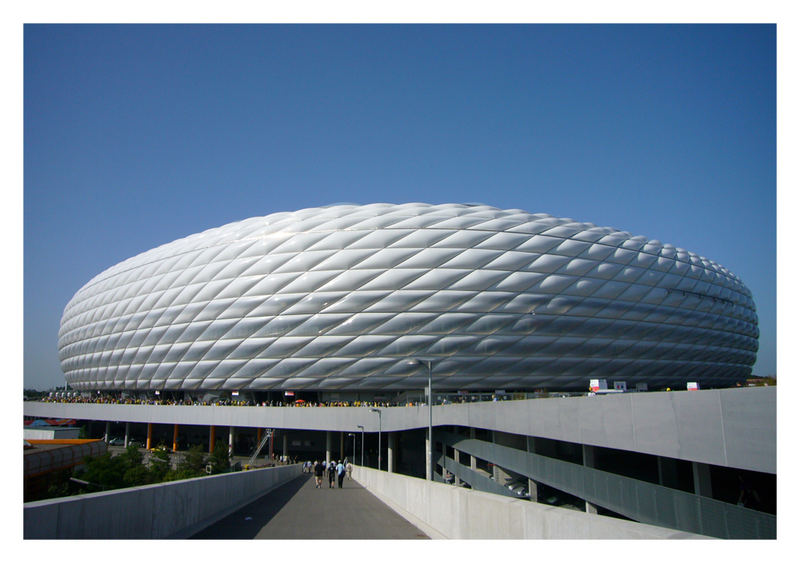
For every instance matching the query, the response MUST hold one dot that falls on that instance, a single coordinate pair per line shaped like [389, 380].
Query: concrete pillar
[212, 437]
[457, 458]
[175, 438]
[498, 473]
[286, 444]
[341, 446]
[702, 479]
[533, 488]
[494, 467]
[149, 435]
[473, 463]
[108, 431]
[390, 452]
[328, 445]
[588, 461]
[127, 433]
[230, 441]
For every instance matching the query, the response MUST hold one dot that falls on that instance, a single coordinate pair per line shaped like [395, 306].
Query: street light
[379, 436]
[429, 452]
[353, 434]
[362, 446]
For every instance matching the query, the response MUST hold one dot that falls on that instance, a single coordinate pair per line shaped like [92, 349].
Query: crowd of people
[334, 470]
[119, 400]
[112, 400]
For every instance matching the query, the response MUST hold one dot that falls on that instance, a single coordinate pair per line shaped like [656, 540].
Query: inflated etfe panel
[343, 297]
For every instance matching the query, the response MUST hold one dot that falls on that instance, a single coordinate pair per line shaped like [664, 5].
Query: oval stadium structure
[344, 298]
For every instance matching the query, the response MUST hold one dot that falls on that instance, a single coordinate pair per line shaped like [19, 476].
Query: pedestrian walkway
[298, 510]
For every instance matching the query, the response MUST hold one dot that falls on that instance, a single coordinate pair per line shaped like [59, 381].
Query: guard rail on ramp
[176, 509]
[449, 512]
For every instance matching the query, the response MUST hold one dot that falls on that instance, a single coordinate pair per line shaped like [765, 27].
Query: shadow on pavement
[246, 522]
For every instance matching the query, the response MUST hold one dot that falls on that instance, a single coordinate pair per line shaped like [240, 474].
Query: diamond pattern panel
[341, 297]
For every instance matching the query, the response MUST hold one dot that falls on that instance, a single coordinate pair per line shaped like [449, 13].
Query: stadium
[352, 301]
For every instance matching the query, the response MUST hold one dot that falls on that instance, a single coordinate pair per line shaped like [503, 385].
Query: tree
[107, 472]
[160, 464]
[132, 455]
[219, 460]
[192, 464]
[104, 471]
[136, 475]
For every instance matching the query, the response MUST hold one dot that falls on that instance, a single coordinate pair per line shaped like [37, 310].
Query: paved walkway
[298, 510]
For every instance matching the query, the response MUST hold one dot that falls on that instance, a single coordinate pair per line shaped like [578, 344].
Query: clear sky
[135, 136]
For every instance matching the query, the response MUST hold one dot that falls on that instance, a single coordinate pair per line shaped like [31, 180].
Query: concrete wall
[167, 510]
[449, 512]
[51, 433]
[726, 427]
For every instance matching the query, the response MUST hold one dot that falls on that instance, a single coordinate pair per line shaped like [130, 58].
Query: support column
[127, 433]
[341, 446]
[501, 476]
[108, 431]
[390, 452]
[495, 470]
[457, 458]
[286, 445]
[175, 438]
[588, 461]
[212, 437]
[533, 488]
[149, 435]
[230, 441]
[328, 445]
[701, 473]
[473, 463]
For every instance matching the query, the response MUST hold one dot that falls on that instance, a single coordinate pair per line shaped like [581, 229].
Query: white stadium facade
[343, 297]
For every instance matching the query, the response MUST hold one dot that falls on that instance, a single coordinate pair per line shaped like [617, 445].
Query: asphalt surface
[298, 510]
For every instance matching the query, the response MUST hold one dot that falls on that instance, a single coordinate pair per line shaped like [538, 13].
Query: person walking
[331, 474]
[318, 471]
[340, 473]
[349, 471]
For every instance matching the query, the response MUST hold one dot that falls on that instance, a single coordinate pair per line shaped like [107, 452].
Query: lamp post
[379, 436]
[353, 434]
[429, 452]
[362, 446]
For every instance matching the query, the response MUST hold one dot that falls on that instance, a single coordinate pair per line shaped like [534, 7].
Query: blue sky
[137, 135]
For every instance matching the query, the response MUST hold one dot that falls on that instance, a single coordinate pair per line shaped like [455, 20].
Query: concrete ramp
[298, 510]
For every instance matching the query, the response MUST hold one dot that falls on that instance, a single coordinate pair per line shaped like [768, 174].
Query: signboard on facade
[598, 385]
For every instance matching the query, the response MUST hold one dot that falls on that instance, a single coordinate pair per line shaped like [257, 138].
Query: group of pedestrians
[335, 471]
